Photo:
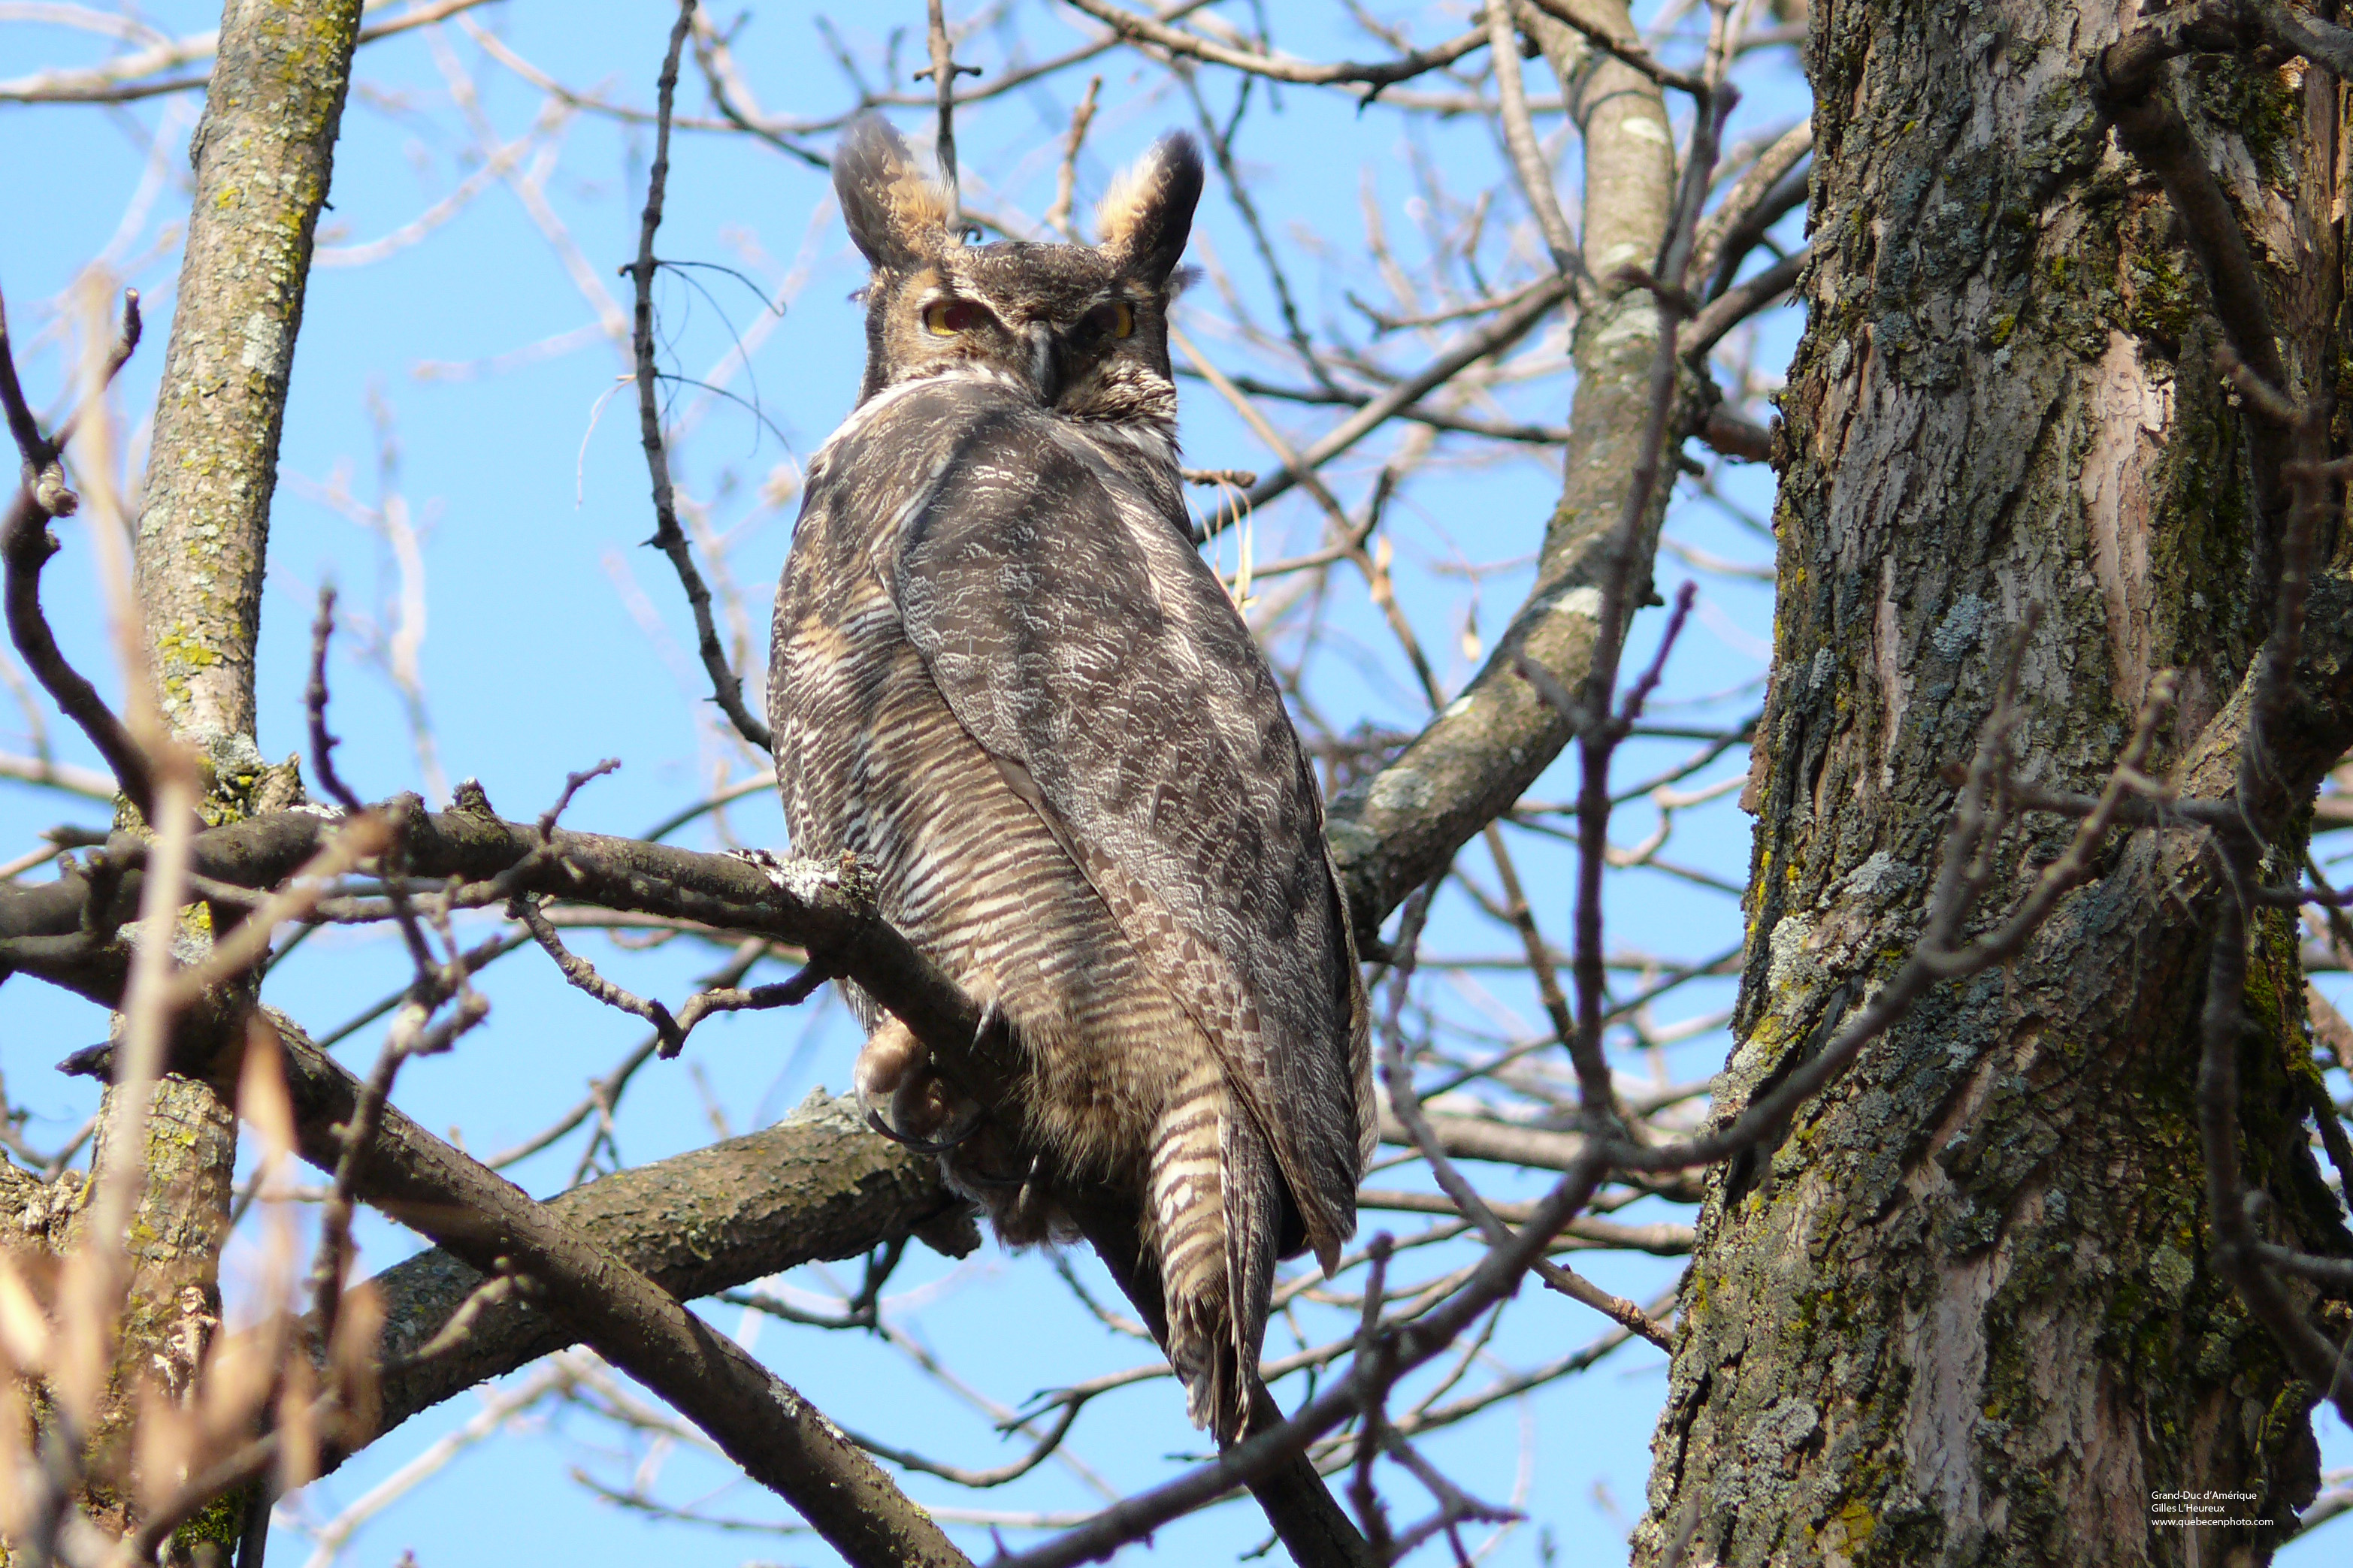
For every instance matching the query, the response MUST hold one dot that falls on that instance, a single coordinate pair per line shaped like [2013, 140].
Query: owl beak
[1045, 361]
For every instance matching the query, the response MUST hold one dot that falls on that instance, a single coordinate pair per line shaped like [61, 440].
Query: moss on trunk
[1963, 1312]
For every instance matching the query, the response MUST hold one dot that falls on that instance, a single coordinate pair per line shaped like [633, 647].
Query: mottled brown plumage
[1005, 679]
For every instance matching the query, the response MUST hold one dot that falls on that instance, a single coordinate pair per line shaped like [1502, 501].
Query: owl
[1003, 680]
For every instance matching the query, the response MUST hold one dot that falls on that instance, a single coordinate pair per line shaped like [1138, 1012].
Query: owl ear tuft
[897, 215]
[1148, 211]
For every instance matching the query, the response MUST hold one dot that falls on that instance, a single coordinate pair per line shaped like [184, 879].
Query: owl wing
[1077, 635]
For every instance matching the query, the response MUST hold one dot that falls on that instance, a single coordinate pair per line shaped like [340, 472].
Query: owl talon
[922, 1145]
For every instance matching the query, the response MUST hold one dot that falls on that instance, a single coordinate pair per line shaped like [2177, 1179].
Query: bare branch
[779, 1438]
[118, 80]
[1734, 437]
[1404, 1348]
[816, 1185]
[1066, 179]
[1399, 1077]
[824, 909]
[1739, 302]
[25, 546]
[582, 975]
[1765, 193]
[1520, 138]
[944, 72]
[1507, 329]
[2150, 128]
[2127, 67]
[1623, 45]
[727, 687]
[1282, 67]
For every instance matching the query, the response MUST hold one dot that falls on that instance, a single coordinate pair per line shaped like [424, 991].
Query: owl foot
[905, 1100]
[892, 1058]
[955, 1140]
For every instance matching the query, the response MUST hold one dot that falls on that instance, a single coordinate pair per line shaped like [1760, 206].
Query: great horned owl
[1005, 679]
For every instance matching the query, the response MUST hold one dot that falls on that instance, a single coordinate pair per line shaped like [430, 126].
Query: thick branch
[816, 1186]
[2129, 68]
[1396, 830]
[821, 909]
[779, 1438]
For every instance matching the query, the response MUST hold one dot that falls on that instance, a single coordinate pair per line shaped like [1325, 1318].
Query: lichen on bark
[263, 152]
[1963, 1312]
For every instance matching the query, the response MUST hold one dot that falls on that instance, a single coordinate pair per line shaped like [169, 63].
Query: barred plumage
[1005, 679]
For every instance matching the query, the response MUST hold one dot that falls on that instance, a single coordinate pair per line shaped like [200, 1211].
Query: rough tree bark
[1964, 1312]
[263, 153]
[262, 157]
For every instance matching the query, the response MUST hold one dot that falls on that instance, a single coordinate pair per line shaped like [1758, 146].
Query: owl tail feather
[1215, 1199]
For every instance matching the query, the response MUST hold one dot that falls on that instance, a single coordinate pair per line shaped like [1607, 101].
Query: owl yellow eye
[947, 318]
[1115, 320]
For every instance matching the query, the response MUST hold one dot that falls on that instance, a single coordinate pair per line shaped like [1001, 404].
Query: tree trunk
[263, 151]
[263, 154]
[1964, 1311]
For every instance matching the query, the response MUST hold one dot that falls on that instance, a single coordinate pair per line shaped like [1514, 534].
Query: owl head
[1083, 328]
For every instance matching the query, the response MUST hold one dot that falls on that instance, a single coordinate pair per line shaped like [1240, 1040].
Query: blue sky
[551, 641]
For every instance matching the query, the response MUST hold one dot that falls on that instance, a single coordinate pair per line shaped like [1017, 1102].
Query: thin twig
[943, 72]
[25, 546]
[1284, 68]
[1626, 50]
[1520, 138]
[727, 687]
[1399, 1076]
[1508, 327]
[582, 975]
[1411, 1345]
[323, 765]
[1066, 178]
[1220, 139]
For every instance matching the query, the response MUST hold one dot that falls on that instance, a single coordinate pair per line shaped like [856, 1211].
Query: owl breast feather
[1044, 574]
